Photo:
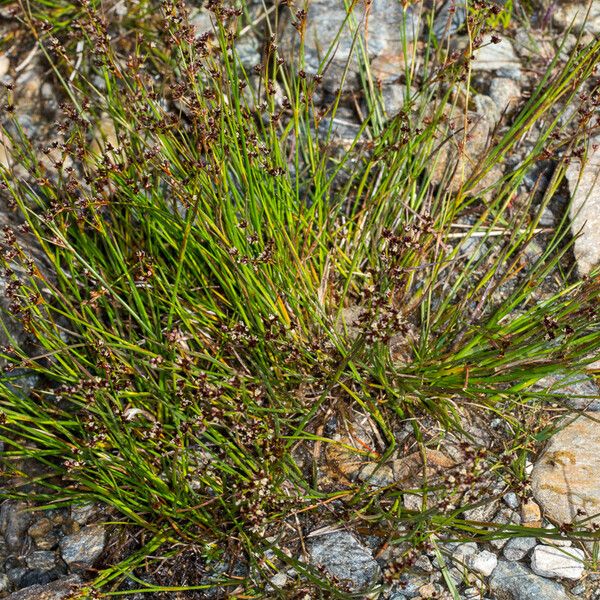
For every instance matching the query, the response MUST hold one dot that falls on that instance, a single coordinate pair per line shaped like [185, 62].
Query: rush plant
[206, 281]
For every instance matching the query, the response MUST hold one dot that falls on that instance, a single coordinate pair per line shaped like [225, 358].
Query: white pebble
[548, 561]
[484, 562]
[279, 580]
[4, 65]
[511, 500]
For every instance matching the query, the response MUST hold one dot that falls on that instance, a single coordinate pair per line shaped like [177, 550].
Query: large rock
[566, 478]
[513, 581]
[344, 557]
[584, 185]
[384, 27]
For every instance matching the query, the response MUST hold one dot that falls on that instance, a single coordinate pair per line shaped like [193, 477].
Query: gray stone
[547, 218]
[578, 590]
[38, 577]
[487, 107]
[376, 475]
[511, 500]
[201, 20]
[343, 129]
[566, 478]
[4, 582]
[460, 552]
[513, 581]
[518, 548]
[344, 557]
[82, 513]
[57, 590]
[579, 391]
[574, 14]
[495, 57]
[383, 29]
[393, 96]
[471, 593]
[506, 94]
[424, 564]
[409, 584]
[279, 580]
[584, 210]
[533, 44]
[41, 559]
[449, 18]
[83, 547]
[14, 522]
[15, 575]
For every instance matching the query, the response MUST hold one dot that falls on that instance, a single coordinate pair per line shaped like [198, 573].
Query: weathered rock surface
[15, 519]
[579, 392]
[566, 478]
[449, 18]
[499, 56]
[57, 590]
[83, 547]
[531, 515]
[460, 155]
[344, 557]
[513, 581]
[44, 560]
[517, 548]
[383, 26]
[568, 14]
[549, 561]
[584, 185]
[483, 562]
[506, 94]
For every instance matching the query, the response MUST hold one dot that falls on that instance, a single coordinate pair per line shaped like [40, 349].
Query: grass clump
[217, 290]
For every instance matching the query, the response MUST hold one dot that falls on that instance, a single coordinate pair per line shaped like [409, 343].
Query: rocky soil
[47, 554]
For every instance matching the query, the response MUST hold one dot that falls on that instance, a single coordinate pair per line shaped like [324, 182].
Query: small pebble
[82, 513]
[4, 65]
[511, 500]
[531, 514]
[279, 580]
[431, 590]
[484, 562]
[40, 528]
[43, 560]
[578, 590]
[517, 548]
[424, 564]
